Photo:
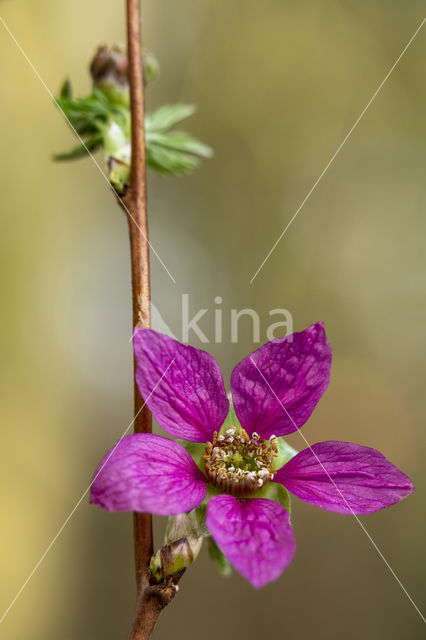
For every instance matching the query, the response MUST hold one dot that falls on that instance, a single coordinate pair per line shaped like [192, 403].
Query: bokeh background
[278, 85]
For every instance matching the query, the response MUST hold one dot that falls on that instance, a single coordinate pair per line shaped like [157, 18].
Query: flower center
[238, 464]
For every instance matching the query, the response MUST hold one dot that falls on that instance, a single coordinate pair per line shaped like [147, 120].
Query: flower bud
[109, 71]
[117, 150]
[183, 541]
[175, 557]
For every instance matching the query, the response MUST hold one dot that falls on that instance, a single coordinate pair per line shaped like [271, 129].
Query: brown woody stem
[149, 605]
[151, 600]
[135, 202]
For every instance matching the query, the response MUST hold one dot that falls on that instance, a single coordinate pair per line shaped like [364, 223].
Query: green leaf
[180, 141]
[219, 559]
[273, 491]
[66, 91]
[92, 144]
[168, 115]
[172, 152]
[170, 161]
[285, 453]
[88, 114]
[98, 120]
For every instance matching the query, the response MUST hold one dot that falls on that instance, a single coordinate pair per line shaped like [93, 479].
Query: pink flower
[274, 391]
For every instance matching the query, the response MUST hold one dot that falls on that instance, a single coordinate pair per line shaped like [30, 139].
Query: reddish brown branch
[151, 600]
[135, 202]
[149, 605]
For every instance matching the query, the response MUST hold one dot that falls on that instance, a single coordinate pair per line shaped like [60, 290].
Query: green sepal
[116, 141]
[118, 174]
[211, 492]
[285, 453]
[186, 524]
[231, 419]
[200, 514]
[218, 558]
[196, 450]
[273, 491]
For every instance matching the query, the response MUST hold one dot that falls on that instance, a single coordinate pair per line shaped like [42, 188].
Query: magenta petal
[150, 474]
[254, 534]
[276, 388]
[344, 477]
[182, 386]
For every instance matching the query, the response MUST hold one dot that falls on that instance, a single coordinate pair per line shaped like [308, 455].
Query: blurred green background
[278, 85]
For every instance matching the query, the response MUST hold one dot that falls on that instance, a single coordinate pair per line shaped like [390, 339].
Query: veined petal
[344, 477]
[276, 388]
[150, 474]
[182, 386]
[254, 534]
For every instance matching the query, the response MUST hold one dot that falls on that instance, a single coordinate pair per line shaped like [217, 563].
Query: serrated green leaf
[219, 559]
[168, 115]
[167, 152]
[170, 161]
[88, 114]
[179, 141]
[92, 144]
[172, 152]
[66, 91]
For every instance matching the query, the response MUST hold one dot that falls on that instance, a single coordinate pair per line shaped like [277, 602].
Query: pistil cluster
[238, 464]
